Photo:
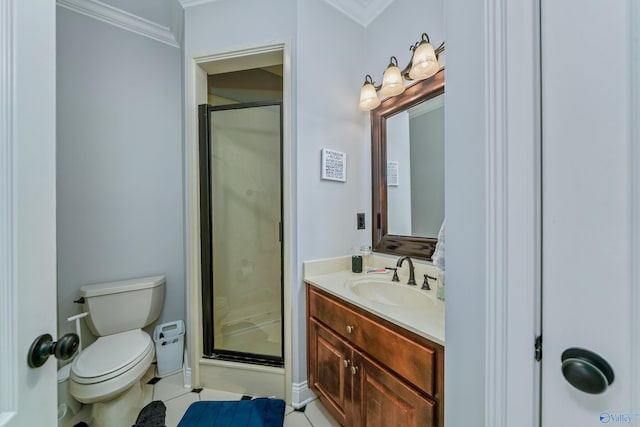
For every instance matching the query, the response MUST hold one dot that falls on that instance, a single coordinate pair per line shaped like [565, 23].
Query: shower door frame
[206, 241]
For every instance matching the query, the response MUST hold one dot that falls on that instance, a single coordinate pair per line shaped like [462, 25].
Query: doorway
[203, 72]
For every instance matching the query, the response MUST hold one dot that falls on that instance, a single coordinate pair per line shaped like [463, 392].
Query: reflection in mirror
[407, 153]
[415, 170]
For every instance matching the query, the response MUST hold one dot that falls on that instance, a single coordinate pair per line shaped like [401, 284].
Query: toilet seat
[111, 365]
[110, 356]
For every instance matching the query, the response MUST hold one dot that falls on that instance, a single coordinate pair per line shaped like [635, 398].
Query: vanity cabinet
[369, 372]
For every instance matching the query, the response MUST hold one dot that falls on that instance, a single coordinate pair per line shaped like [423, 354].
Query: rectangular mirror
[407, 141]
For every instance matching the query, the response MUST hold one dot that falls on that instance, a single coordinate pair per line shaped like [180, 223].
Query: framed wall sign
[334, 165]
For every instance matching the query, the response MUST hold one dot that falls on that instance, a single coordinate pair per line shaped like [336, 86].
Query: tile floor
[177, 399]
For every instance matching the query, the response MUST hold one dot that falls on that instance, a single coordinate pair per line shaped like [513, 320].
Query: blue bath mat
[261, 412]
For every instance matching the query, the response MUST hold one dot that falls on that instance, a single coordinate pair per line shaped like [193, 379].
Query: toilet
[107, 373]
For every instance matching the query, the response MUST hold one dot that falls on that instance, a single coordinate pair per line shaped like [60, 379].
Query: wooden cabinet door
[329, 374]
[385, 401]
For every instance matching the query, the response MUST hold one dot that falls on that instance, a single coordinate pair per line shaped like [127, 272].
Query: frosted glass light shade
[424, 63]
[368, 97]
[392, 83]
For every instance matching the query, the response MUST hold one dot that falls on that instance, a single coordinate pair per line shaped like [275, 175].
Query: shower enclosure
[240, 154]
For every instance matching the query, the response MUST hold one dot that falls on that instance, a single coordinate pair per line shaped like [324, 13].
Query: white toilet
[107, 373]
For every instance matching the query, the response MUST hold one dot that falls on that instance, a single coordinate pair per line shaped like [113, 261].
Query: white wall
[229, 25]
[119, 161]
[465, 208]
[330, 71]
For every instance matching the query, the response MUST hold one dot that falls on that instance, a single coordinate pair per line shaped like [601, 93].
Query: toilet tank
[123, 306]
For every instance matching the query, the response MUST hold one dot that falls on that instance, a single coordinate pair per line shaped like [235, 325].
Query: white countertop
[424, 321]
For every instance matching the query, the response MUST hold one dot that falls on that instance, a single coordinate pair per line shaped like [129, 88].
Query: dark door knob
[44, 346]
[586, 370]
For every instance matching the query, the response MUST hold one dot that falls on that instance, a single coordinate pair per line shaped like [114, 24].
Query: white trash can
[169, 339]
[67, 405]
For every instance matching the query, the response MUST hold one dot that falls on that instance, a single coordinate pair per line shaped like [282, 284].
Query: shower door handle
[280, 231]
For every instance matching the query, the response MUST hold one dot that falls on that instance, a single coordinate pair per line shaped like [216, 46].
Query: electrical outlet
[361, 224]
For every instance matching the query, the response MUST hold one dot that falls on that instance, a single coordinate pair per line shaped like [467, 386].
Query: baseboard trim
[301, 395]
[186, 377]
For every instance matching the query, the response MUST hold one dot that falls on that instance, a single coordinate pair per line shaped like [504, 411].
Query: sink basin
[390, 293]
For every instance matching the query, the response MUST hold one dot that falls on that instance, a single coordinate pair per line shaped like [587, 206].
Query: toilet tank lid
[121, 286]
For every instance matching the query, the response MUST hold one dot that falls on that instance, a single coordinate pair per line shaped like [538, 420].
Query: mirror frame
[415, 247]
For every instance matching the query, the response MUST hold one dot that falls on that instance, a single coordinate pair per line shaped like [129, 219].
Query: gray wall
[119, 161]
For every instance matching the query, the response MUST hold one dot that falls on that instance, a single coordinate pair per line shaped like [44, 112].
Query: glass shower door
[241, 174]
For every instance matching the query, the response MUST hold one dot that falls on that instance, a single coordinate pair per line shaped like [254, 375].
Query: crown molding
[191, 3]
[361, 11]
[119, 18]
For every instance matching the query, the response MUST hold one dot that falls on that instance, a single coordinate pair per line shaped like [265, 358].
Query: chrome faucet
[412, 278]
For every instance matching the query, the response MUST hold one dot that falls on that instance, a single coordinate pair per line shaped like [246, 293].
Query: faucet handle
[425, 284]
[395, 277]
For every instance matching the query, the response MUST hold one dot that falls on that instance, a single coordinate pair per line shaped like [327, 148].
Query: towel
[438, 254]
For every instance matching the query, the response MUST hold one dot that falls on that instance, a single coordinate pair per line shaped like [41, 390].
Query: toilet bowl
[107, 373]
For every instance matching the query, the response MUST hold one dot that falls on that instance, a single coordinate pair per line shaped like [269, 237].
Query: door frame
[8, 283]
[513, 216]
[195, 80]
[634, 16]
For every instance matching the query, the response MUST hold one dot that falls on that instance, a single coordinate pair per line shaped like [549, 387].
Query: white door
[27, 209]
[590, 199]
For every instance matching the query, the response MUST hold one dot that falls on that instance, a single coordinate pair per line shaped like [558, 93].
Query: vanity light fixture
[392, 83]
[368, 95]
[423, 64]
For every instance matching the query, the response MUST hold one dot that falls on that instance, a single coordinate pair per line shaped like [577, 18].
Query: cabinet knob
[350, 329]
[354, 370]
[346, 363]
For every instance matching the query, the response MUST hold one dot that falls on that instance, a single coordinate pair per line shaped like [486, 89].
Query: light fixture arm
[369, 80]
